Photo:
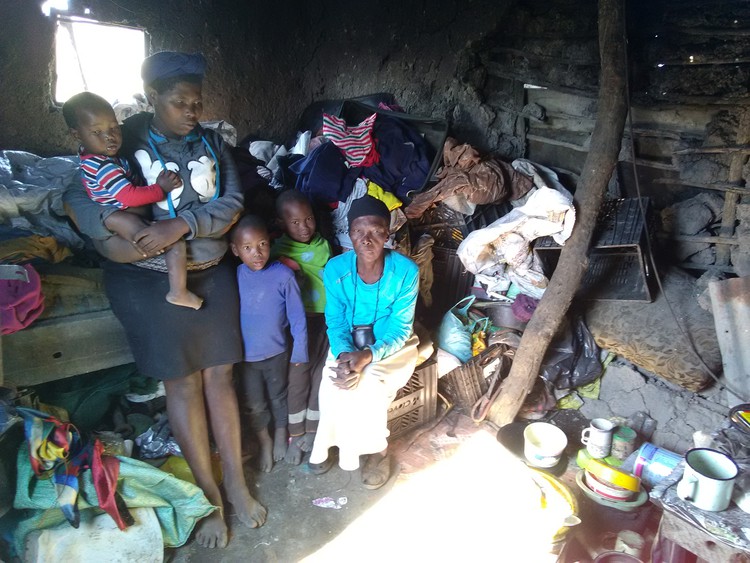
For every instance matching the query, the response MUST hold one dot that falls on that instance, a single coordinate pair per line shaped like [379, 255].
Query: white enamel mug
[597, 437]
[708, 480]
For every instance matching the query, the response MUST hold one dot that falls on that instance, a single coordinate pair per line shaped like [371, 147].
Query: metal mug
[597, 437]
[708, 479]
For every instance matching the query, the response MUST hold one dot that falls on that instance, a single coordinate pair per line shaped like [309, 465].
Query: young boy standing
[109, 180]
[270, 302]
[309, 253]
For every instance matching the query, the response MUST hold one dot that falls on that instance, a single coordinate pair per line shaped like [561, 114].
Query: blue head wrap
[167, 64]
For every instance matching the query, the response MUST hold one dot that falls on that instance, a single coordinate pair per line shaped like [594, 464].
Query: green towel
[178, 504]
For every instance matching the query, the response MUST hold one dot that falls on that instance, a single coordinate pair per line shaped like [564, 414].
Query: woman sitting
[371, 294]
[192, 351]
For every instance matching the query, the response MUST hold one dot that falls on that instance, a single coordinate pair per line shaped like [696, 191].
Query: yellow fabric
[23, 249]
[390, 200]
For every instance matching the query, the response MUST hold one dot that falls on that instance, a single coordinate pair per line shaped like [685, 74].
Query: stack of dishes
[611, 487]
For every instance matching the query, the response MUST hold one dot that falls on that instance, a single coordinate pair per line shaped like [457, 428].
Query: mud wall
[251, 80]
[267, 61]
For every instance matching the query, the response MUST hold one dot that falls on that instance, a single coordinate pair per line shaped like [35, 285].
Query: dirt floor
[458, 494]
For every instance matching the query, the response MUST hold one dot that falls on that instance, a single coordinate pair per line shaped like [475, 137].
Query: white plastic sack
[507, 240]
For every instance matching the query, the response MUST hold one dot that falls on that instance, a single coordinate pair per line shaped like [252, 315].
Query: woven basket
[464, 385]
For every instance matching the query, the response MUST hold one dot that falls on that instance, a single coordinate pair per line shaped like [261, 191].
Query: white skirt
[356, 420]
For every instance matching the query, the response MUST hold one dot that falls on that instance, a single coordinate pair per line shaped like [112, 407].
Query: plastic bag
[454, 334]
[572, 358]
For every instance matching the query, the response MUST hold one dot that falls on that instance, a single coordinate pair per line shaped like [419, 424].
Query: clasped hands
[349, 367]
[149, 237]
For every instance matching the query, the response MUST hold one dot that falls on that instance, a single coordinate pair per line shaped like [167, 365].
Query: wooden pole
[597, 170]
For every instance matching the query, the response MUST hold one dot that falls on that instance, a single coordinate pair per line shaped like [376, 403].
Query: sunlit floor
[459, 495]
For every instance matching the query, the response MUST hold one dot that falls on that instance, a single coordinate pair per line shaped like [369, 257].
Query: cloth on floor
[21, 302]
[31, 189]
[646, 334]
[56, 451]
[470, 179]
[355, 143]
[501, 252]
[23, 249]
[178, 504]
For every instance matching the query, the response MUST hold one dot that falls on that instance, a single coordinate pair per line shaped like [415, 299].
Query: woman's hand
[349, 368]
[160, 235]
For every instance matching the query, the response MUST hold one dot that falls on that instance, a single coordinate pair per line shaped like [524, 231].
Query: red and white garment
[356, 143]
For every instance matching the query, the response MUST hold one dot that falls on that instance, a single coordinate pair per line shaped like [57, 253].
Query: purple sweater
[270, 302]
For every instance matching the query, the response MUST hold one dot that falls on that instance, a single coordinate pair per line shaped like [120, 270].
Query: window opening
[96, 57]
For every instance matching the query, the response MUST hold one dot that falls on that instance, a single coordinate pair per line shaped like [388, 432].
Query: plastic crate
[416, 402]
[618, 266]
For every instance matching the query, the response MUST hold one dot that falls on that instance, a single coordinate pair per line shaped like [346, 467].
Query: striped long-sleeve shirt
[109, 180]
[356, 143]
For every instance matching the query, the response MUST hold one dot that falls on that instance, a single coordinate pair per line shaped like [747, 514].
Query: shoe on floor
[376, 471]
[320, 468]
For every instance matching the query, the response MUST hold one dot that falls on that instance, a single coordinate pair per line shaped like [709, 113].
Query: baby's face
[298, 221]
[253, 247]
[98, 132]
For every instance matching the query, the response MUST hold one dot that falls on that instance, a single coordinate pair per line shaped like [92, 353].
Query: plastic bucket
[654, 464]
[543, 444]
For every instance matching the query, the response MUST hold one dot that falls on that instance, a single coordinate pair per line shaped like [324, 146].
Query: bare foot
[249, 511]
[280, 439]
[265, 457]
[294, 451]
[212, 530]
[185, 299]
[307, 442]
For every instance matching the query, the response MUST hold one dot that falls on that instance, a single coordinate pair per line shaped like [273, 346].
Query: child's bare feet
[307, 442]
[249, 511]
[212, 530]
[185, 299]
[280, 439]
[298, 446]
[294, 451]
[265, 458]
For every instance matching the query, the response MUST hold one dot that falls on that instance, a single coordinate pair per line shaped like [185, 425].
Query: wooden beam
[711, 267]
[698, 60]
[745, 149]
[582, 148]
[705, 239]
[573, 263]
[718, 186]
[731, 199]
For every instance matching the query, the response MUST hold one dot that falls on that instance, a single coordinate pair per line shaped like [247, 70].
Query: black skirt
[168, 341]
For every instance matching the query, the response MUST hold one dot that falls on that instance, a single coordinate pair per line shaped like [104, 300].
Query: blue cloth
[270, 301]
[388, 305]
[405, 161]
[323, 176]
[404, 157]
[167, 64]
